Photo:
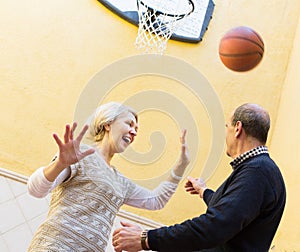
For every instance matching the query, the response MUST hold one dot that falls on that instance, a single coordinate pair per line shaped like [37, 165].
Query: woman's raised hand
[69, 147]
[184, 158]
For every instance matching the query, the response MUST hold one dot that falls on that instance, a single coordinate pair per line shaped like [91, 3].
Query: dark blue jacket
[242, 215]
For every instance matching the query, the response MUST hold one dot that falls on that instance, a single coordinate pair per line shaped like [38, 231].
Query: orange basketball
[241, 49]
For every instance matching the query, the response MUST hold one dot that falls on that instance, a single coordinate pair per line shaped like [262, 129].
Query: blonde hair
[104, 115]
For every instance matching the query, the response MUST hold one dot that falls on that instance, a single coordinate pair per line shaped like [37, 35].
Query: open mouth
[127, 139]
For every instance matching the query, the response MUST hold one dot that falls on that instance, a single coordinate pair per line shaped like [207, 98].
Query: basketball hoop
[158, 22]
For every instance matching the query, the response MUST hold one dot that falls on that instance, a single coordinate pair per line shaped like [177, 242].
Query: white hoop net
[158, 22]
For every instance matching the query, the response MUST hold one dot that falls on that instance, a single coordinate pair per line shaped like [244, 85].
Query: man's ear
[238, 128]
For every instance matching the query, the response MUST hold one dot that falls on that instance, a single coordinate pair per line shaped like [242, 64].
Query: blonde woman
[87, 191]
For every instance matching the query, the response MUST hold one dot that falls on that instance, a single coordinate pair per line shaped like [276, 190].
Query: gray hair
[104, 115]
[255, 121]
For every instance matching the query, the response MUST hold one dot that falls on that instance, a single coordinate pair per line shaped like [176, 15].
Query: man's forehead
[230, 115]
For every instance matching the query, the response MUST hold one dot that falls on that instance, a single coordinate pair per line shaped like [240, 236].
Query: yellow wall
[285, 148]
[50, 50]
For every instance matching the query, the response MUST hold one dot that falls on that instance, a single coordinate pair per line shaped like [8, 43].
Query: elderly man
[243, 214]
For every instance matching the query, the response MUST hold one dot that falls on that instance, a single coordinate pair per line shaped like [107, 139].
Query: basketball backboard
[192, 28]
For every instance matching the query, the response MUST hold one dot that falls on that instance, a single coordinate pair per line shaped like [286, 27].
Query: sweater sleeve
[237, 206]
[38, 185]
[208, 193]
[151, 199]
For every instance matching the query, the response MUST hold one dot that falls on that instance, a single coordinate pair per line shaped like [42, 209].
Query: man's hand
[195, 186]
[127, 238]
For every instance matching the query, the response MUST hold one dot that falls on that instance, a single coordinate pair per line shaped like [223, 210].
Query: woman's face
[123, 131]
